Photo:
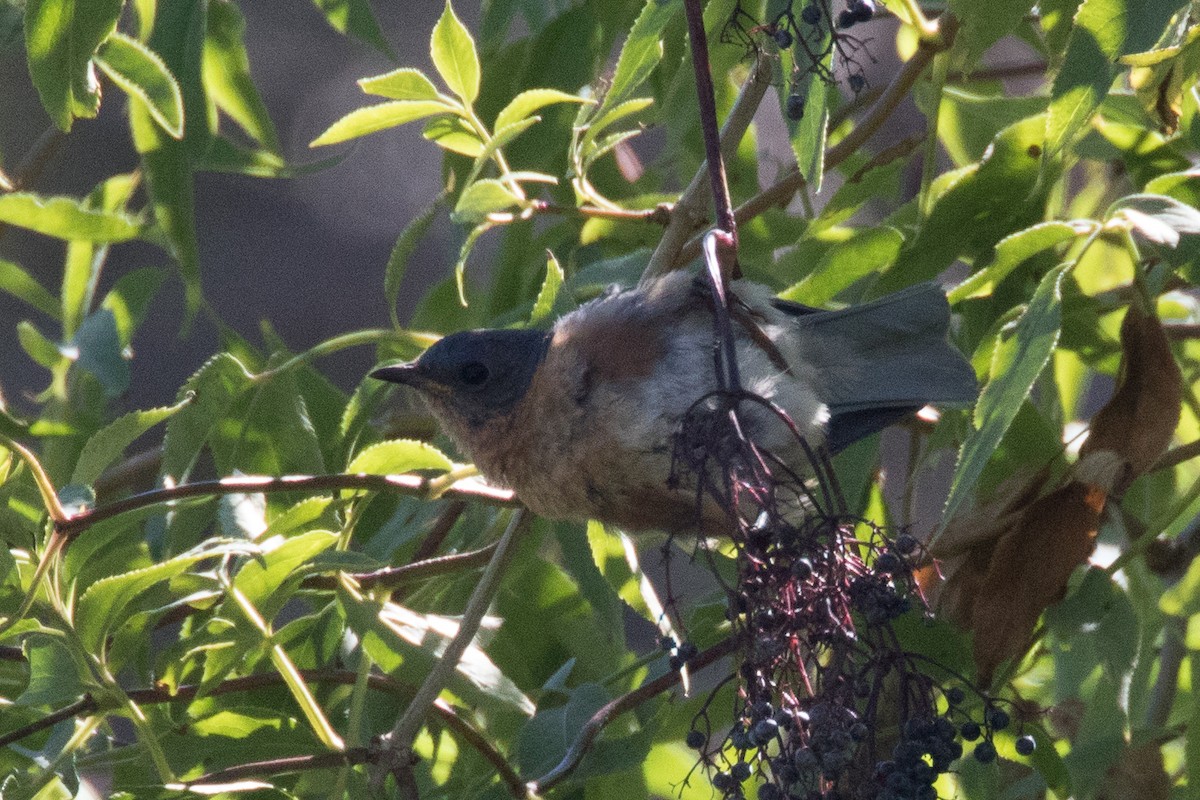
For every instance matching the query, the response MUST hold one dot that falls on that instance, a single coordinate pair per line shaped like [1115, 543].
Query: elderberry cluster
[927, 748]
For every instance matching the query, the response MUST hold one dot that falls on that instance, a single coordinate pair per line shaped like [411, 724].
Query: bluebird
[580, 421]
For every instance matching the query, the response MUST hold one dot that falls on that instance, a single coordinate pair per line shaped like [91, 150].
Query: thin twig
[1177, 455]
[397, 745]
[277, 766]
[706, 102]
[391, 577]
[688, 213]
[781, 192]
[466, 489]
[440, 530]
[613, 709]
[1170, 658]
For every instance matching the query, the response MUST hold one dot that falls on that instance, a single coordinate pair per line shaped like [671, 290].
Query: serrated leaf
[453, 52]
[1018, 361]
[1011, 252]
[371, 119]
[481, 198]
[398, 456]
[405, 83]
[641, 52]
[216, 386]
[103, 607]
[1158, 219]
[984, 22]
[226, 69]
[21, 285]
[549, 291]
[261, 577]
[529, 101]
[108, 443]
[402, 250]
[464, 252]
[130, 299]
[843, 264]
[60, 38]
[140, 71]
[65, 218]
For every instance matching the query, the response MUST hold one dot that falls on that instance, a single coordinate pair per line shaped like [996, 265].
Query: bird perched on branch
[580, 421]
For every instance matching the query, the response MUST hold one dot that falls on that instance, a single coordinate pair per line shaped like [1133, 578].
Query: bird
[579, 421]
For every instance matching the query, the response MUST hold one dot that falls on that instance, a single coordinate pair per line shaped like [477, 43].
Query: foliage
[281, 636]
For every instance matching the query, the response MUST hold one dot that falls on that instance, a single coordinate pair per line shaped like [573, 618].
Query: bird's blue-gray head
[471, 377]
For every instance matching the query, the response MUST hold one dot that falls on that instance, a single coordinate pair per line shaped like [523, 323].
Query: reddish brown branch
[707, 105]
[403, 484]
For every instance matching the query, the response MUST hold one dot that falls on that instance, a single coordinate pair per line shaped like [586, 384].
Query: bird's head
[470, 378]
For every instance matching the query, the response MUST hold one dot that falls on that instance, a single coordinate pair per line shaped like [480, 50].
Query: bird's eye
[473, 373]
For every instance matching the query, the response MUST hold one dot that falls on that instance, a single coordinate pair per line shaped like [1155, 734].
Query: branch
[466, 489]
[781, 192]
[275, 766]
[689, 210]
[1162, 694]
[613, 709]
[397, 744]
[391, 577]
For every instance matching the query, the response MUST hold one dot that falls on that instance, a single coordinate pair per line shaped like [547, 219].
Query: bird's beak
[407, 374]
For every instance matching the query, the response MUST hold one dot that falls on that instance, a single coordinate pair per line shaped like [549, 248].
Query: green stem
[352, 339]
[929, 166]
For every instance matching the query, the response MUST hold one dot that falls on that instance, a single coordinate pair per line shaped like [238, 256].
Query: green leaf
[101, 353]
[464, 252]
[21, 285]
[103, 607]
[1003, 193]
[482, 198]
[808, 134]
[405, 83]
[640, 54]
[453, 134]
[984, 22]
[1016, 365]
[226, 69]
[43, 351]
[453, 52]
[549, 291]
[1011, 252]
[356, 18]
[65, 218]
[1183, 599]
[530, 101]
[1104, 30]
[262, 576]
[869, 250]
[402, 250]
[139, 71]
[84, 261]
[215, 387]
[130, 298]
[398, 456]
[107, 444]
[371, 119]
[60, 38]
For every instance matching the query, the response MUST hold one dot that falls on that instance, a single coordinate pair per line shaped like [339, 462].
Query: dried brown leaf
[1137, 423]
[1139, 774]
[1029, 570]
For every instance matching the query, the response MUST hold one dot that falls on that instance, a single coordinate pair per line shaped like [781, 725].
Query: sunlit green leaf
[482, 198]
[405, 83]
[529, 101]
[398, 456]
[106, 445]
[139, 71]
[549, 291]
[363, 121]
[226, 70]
[65, 218]
[60, 38]
[20, 284]
[453, 52]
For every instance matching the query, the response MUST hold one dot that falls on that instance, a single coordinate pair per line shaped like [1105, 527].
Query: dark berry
[905, 544]
[783, 38]
[1026, 745]
[805, 759]
[985, 752]
[944, 729]
[956, 696]
[675, 663]
[688, 651]
[970, 731]
[765, 730]
[740, 739]
[723, 780]
[857, 84]
[997, 719]
[740, 771]
[889, 563]
[667, 643]
[762, 709]
[802, 568]
[926, 792]
[795, 112]
[769, 792]
[858, 731]
[696, 739]
[811, 14]
[846, 18]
